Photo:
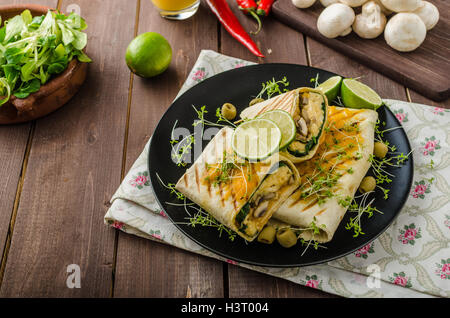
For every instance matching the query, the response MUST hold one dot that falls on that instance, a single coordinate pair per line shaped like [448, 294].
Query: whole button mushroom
[428, 13]
[353, 3]
[401, 5]
[371, 22]
[302, 4]
[405, 32]
[336, 20]
[385, 10]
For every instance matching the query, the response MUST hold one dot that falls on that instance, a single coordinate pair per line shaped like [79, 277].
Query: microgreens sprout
[389, 129]
[379, 166]
[379, 132]
[273, 87]
[315, 230]
[171, 187]
[315, 80]
[308, 243]
[360, 208]
[345, 201]
[385, 191]
[338, 101]
[203, 218]
[204, 122]
[181, 149]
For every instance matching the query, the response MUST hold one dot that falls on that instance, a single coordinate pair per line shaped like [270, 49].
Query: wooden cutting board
[425, 70]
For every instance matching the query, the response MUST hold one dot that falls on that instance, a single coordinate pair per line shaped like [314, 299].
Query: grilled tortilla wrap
[239, 194]
[308, 108]
[330, 179]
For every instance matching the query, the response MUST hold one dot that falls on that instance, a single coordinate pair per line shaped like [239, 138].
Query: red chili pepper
[264, 7]
[223, 12]
[249, 7]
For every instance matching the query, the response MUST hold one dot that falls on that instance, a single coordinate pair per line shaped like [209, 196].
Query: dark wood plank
[145, 268]
[287, 48]
[74, 167]
[13, 144]
[430, 61]
[150, 269]
[417, 98]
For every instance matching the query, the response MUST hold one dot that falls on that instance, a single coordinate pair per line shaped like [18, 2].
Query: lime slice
[285, 122]
[256, 139]
[358, 95]
[331, 87]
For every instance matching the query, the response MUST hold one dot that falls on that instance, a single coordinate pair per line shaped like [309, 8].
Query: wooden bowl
[51, 96]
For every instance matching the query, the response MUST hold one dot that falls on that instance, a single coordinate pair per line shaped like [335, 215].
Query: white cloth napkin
[410, 259]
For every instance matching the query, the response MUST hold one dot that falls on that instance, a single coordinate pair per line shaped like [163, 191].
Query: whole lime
[149, 54]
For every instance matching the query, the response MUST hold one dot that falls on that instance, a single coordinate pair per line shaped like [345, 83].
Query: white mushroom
[261, 209]
[405, 32]
[302, 4]
[428, 13]
[371, 22]
[385, 10]
[401, 5]
[353, 3]
[327, 3]
[336, 20]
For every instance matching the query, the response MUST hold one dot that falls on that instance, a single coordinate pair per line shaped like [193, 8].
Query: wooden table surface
[58, 173]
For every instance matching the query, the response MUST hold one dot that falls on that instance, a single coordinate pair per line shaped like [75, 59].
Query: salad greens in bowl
[42, 62]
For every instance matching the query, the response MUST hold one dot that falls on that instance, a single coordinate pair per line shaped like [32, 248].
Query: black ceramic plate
[238, 87]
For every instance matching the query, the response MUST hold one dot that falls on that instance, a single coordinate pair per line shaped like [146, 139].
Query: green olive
[380, 150]
[368, 184]
[255, 101]
[286, 237]
[228, 111]
[267, 235]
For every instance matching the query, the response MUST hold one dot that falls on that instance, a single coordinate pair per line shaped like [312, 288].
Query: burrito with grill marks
[241, 195]
[330, 179]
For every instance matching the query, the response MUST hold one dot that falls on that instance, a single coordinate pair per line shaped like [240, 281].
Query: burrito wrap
[343, 155]
[264, 184]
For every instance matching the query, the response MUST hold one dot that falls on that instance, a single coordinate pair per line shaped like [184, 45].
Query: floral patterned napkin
[410, 259]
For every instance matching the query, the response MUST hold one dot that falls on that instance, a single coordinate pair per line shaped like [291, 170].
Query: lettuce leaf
[33, 49]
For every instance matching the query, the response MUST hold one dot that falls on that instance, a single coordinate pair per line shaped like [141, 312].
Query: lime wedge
[256, 139]
[358, 95]
[285, 122]
[331, 87]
